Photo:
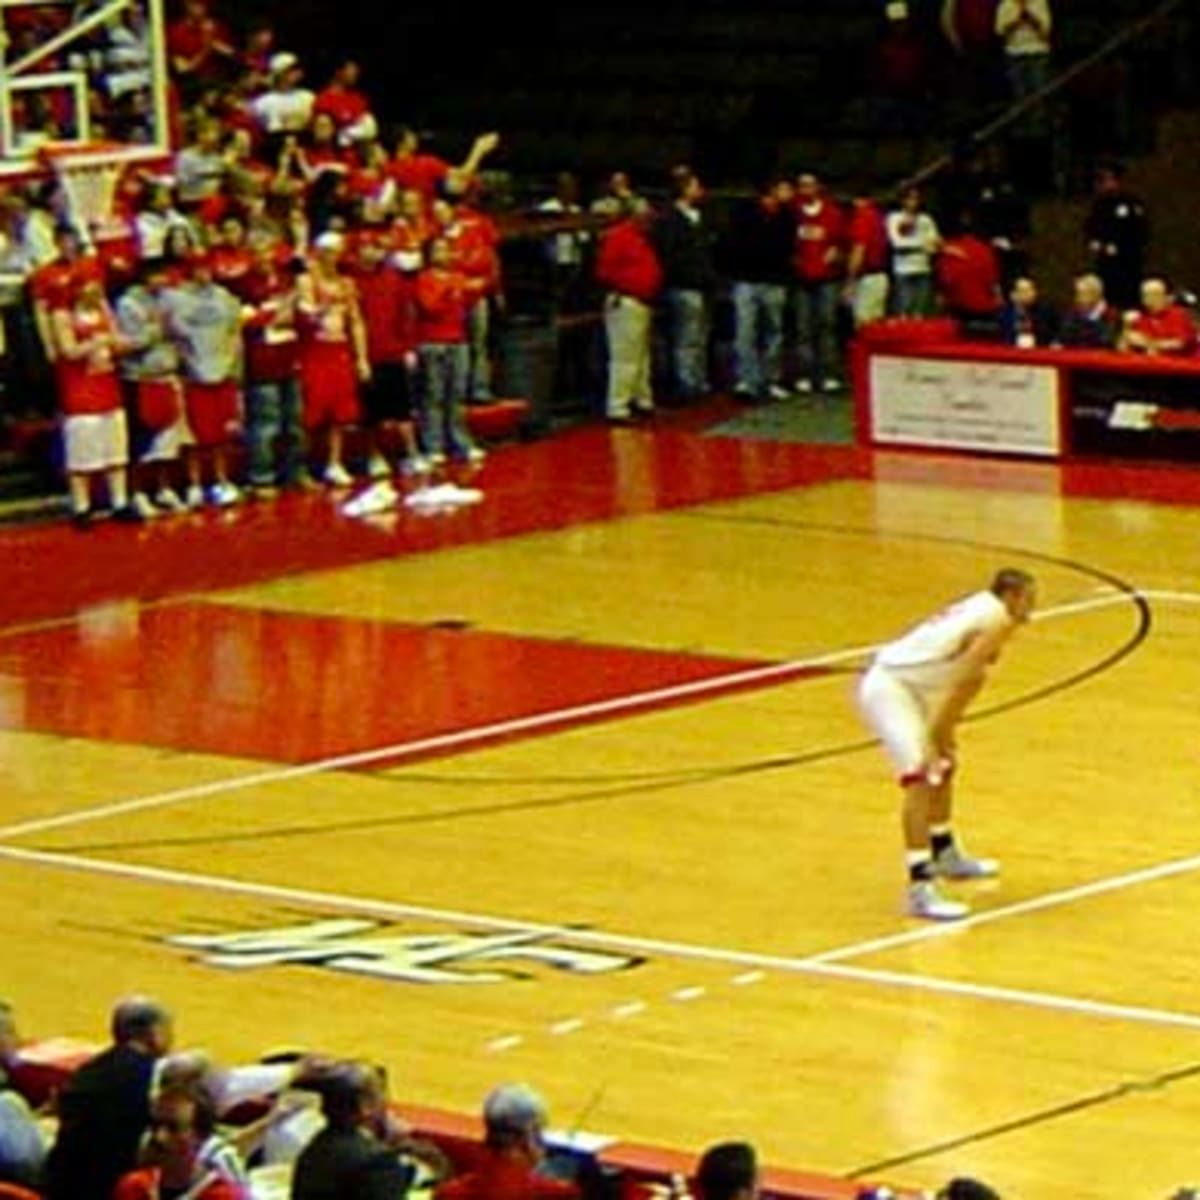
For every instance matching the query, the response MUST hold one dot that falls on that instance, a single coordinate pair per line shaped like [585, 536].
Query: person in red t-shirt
[867, 280]
[181, 1155]
[628, 269]
[514, 1118]
[230, 257]
[1161, 326]
[426, 173]
[349, 107]
[474, 239]
[199, 47]
[274, 406]
[968, 280]
[55, 284]
[443, 299]
[386, 296]
[818, 263]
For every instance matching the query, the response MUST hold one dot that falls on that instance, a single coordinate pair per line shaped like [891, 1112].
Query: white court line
[819, 964]
[462, 738]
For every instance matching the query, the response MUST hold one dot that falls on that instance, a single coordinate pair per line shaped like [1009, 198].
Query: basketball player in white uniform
[912, 697]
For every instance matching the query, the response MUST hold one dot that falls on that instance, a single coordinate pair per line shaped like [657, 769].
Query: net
[88, 174]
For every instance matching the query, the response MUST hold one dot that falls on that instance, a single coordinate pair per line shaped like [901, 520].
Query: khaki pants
[627, 328]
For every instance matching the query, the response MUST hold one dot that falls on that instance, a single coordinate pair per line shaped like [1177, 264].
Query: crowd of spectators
[143, 1120]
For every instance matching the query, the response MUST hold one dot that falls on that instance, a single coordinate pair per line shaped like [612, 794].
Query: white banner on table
[1003, 407]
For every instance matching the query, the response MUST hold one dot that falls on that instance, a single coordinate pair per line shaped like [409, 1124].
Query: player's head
[1016, 590]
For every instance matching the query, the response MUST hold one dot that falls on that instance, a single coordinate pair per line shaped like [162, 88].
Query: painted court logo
[378, 949]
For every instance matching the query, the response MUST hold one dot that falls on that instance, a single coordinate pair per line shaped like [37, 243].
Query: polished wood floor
[534, 802]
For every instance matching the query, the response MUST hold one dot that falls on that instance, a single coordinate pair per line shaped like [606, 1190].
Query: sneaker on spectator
[437, 459]
[417, 464]
[378, 467]
[169, 501]
[195, 496]
[803, 387]
[337, 476]
[832, 385]
[142, 505]
[475, 456]
[223, 494]
[778, 393]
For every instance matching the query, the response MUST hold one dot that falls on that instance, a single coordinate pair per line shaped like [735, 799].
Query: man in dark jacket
[1091, 323]
[105, 1108]
[685, 252]
[347, 1160]
[1117, 232]
[757, 256]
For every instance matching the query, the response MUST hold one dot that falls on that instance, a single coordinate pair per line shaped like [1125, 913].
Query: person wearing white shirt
[912, 698]
[286, 107]
[913, 239]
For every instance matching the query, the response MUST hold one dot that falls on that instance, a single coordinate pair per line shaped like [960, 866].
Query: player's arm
[458, 177]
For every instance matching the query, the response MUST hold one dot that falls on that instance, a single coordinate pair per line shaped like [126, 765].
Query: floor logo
[365, 947]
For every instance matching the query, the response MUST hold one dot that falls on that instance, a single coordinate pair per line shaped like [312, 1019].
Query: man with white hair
[105, 1107]
[514, 1119]
[1091, 323]
[1160, 326]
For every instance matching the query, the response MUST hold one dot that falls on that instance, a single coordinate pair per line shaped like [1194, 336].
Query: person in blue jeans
[757, 254]
[685, 250]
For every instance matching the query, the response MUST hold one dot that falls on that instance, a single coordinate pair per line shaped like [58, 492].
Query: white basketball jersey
[928, 658]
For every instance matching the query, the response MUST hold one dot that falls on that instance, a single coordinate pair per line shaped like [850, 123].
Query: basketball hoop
[88, 173]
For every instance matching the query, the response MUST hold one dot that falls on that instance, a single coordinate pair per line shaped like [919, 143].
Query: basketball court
[570, 788]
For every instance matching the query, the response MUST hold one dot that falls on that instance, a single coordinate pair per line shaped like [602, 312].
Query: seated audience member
[151, 368]
[348, 1159]
[968, 279]
[728, 1171]
[105, 1107]
[183, 1154]
[914, 239]
[628, 270]
[206, 320]
[514, 1118]
[347, 104]
[22, 1149]
[285, 107]
[1160, 326]
[426, 173]
[965, 1188]
[1091, 323]
[1026, 320]
[94, 427]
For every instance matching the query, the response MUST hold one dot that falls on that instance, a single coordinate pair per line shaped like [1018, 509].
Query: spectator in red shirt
[347, 104]
[388, 308]
[1161, 326]
[199, 47]
[514, 1118]
[443, 298]
[230, 255]
[628, 270]
[426, 173]
[173, 1159]
[867, 280]
[968, 281]
[274, 406]
[817, 263]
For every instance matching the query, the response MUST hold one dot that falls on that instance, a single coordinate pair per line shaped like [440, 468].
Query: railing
[1011, 115]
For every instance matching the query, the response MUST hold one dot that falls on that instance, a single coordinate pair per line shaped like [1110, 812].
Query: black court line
[1041, 1116]
[696, 775]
